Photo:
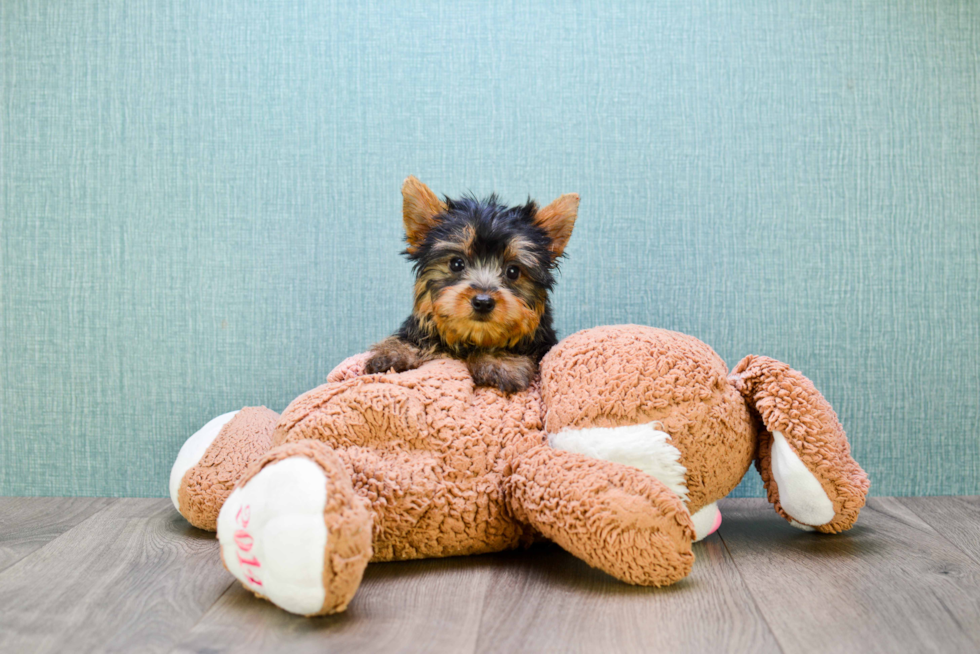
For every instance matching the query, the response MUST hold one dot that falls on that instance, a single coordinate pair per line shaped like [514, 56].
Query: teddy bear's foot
[801, 494]
[193, 449]
[212, 460]
[293, 530]
[804, 458]
[706, 521]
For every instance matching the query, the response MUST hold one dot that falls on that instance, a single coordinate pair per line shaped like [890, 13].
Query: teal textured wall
[201, 208]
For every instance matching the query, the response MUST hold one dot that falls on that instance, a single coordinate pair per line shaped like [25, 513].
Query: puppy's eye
[512, 272]
[456, 264]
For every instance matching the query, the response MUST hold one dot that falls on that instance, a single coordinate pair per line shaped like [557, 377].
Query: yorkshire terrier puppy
[483, 273]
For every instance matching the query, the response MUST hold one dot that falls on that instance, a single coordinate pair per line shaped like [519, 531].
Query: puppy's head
[483, 270]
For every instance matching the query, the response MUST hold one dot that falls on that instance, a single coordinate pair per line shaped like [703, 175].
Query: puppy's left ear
[558, 219]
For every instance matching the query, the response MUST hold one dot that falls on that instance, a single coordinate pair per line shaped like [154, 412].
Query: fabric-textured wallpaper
[201, 203]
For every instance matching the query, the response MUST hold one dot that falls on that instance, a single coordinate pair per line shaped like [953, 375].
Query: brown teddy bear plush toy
[618, 453]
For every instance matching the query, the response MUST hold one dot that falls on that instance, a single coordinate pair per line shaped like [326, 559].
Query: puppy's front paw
[508, 374]
[383, 362]
[393, 354]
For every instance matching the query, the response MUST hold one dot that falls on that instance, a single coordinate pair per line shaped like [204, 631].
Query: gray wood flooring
[129, 575]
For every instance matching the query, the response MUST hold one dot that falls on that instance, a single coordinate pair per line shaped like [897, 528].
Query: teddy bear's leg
[212, 461]
[613, 517]
[804, 457]
[642, 446]
[295, 532]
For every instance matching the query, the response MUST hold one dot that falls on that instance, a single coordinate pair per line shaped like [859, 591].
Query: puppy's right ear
[557, 220]
[420, 208]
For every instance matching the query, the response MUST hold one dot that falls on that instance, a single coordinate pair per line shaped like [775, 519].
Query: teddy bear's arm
[804, 458]
[349, 368]
[613, 517]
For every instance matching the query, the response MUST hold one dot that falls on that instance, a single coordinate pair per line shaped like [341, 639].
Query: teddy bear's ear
[420, 209]
[558, 219]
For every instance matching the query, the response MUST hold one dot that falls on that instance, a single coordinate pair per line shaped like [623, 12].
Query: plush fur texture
[443, 467]
[638, 375]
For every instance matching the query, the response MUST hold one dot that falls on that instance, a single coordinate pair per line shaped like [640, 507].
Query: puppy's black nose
[483, 303]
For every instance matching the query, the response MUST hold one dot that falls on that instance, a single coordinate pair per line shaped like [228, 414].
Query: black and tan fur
[483, 272]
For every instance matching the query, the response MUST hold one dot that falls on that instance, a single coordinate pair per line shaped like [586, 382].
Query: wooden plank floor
[129, 575]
